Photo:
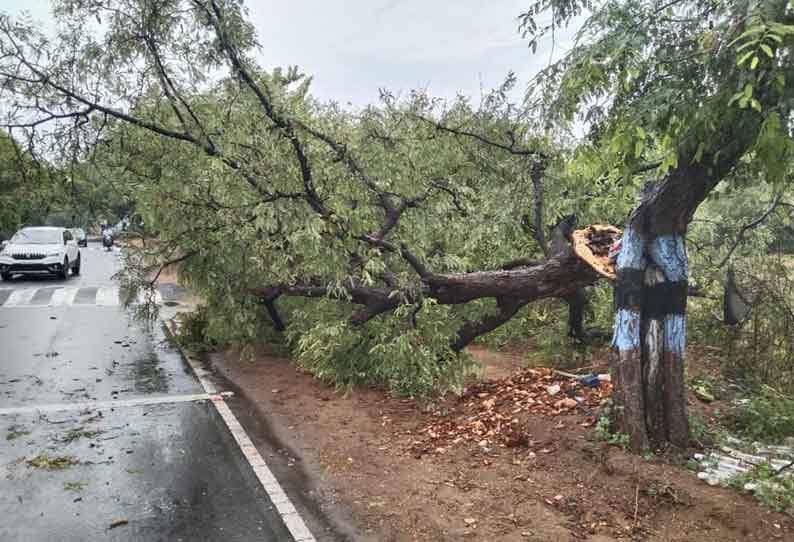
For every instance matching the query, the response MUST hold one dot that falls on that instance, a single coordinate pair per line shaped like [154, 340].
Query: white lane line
[20, 297]
[63, 296]
[92, 405]
[289, 515]
[107, 296]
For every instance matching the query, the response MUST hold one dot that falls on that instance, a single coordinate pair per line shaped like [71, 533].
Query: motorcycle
[107, 240]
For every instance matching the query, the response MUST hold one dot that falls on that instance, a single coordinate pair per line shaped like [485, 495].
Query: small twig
[46, 419]
[636, 505]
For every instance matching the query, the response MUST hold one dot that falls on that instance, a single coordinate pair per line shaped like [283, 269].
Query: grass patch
[768, 417]
[75, 486]
[44, 461]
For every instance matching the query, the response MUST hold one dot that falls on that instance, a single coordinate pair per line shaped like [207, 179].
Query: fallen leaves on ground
[44, 461]
[78, 433]
[488, 412]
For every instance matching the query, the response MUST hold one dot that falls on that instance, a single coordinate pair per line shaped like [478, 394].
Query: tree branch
[747, 227]
[472, 329]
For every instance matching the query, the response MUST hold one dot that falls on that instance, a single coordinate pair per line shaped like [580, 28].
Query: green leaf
[754, 63]
[768, 50]
[745, 45]
[744, 57]
[699, 152]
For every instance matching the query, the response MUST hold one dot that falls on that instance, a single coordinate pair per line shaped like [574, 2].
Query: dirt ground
[373, 459]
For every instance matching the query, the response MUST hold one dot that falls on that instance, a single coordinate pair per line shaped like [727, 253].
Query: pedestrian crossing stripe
[19, 297]
[98, 296]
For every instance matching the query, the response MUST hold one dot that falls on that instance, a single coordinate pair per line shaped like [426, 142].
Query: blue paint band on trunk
[627, 330]
[675, 334]
[668, 252]
[631, 252]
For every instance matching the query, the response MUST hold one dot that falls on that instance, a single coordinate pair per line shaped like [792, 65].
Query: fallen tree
[559, 276]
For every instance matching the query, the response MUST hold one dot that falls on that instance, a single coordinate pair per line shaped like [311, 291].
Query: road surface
[103, 432]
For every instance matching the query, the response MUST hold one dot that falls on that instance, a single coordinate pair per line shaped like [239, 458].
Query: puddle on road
[148, 376]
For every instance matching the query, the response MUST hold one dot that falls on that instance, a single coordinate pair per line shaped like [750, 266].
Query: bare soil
[369, 460]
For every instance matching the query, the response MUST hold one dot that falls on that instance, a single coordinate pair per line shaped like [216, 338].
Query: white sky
[354, 47]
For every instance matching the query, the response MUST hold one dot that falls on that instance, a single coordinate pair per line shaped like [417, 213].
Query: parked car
[79, 236]
[40, 250]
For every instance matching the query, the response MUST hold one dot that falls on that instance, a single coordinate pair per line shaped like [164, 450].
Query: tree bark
[650, 335]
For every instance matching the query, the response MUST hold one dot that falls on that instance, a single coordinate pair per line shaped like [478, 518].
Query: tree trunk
[650, 334]
[577, 303]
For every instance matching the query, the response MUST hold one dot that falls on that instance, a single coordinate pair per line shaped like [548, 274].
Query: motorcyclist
[107, 237]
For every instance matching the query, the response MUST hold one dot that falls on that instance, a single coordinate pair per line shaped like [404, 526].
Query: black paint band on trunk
[665, 298]
[655, 301]
[629, 289]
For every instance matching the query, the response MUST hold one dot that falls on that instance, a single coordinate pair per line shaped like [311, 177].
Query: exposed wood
[592, 245]
[652, 370]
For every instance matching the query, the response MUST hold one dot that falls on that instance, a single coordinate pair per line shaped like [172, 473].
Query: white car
[40, 250]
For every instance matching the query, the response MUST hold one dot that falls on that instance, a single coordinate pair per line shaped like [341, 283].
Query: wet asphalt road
[145, 460]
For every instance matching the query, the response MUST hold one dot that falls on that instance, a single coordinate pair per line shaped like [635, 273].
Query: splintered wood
[592, 245]
[489, 412]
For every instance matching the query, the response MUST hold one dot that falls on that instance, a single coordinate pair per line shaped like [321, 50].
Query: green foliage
[766, 417]
[603, 432]
[771, 488]
[409, 360]
[761, 349]
[192, 330]
[704, 435]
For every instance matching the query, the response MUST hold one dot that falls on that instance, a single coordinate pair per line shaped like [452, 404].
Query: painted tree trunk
[649, 340]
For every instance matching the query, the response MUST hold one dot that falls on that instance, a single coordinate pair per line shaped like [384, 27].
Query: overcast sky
[354, 47]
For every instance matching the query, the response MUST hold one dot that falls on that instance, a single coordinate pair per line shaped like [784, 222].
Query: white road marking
[20, 297]
[93, 405]
[63, 296]
[107, 296]
[292, 519]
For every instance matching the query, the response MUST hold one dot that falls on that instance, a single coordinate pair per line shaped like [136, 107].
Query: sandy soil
[358, 452]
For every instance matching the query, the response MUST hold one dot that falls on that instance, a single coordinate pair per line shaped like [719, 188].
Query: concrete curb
[286, 510]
